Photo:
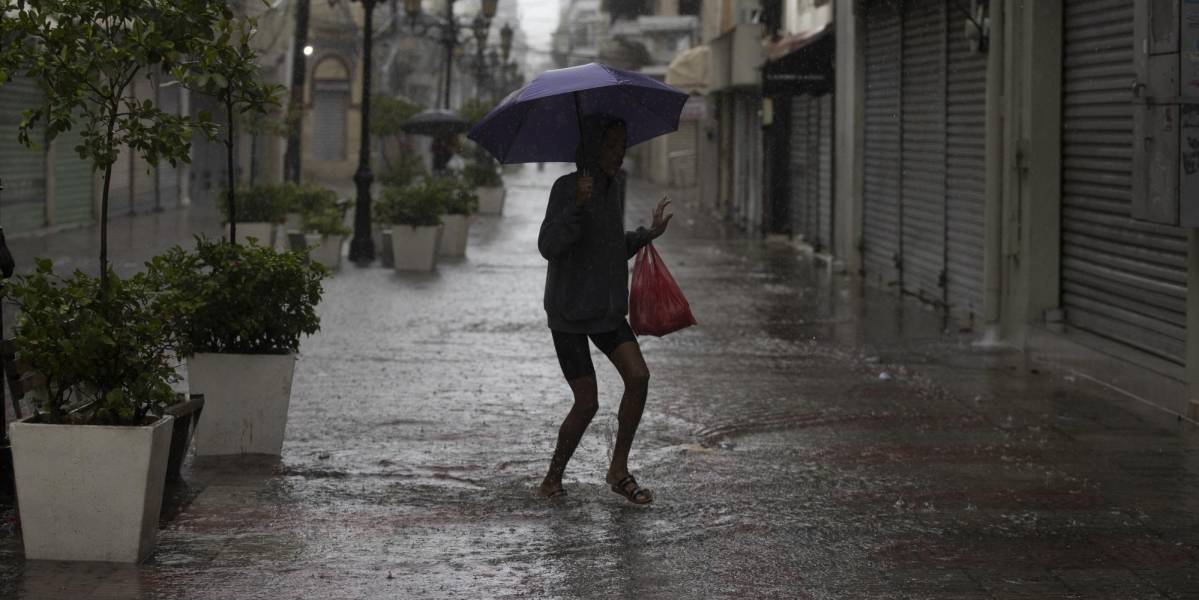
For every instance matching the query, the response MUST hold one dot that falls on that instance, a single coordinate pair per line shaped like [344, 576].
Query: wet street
[808, 439]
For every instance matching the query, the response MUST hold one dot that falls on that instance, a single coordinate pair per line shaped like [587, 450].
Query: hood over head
[592, 128]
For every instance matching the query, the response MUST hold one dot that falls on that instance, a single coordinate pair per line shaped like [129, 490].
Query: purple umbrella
[541, 121]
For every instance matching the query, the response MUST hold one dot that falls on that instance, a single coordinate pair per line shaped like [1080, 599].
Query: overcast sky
[539, 18]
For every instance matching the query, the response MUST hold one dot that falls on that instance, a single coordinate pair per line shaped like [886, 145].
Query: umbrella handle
[579, 118]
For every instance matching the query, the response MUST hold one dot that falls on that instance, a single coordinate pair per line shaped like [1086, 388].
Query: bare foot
[551, 489]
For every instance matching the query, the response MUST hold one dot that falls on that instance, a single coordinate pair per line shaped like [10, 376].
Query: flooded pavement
[806, 440]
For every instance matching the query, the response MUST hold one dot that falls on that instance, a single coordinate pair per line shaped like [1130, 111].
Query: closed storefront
[747, 162]
[330, 101]
[965, 164]
[73, 193]
[800, 207]
[209, 158]
[1122, 279]
[810, 180]
[800, 76]
[120, 190]
[880, 226]
[924, 153]
[824, 169]
[922, 148]
[22, 170]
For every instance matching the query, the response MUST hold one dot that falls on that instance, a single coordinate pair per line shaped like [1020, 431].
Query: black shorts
[574, 355]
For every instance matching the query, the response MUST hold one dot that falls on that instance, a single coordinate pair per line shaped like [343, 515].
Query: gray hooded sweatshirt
[588, 249]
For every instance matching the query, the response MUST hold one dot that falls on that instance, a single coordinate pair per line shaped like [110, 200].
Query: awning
[689, 70]
[800, 64]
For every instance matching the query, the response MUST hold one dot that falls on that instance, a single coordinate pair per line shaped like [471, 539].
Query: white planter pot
[491, 200]
[454, 235]
[90, 492]
[263, 232]
[326, 250]
[245, 401]
[414, 248]
[382, 238]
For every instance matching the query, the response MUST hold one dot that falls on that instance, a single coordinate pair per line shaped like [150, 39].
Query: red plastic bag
[656, 304]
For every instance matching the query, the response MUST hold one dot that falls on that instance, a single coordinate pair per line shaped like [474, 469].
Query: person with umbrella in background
[588, 115]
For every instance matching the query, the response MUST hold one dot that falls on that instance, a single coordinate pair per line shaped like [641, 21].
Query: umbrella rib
[651, 111]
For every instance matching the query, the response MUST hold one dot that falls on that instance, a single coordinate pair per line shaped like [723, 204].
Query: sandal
[558, 493]
[637, 495]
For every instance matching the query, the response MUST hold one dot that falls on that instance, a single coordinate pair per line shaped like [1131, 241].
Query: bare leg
[631, 365]
[571, 431]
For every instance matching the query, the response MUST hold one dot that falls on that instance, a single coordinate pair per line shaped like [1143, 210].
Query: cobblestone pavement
[807, 440]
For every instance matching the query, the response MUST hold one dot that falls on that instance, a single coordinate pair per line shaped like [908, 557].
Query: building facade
[1024, 168]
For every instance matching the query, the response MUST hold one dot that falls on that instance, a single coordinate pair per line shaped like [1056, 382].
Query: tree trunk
[229, 165]
[104, 229]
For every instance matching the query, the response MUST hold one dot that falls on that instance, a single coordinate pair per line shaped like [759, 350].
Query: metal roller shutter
[1120, 278]
[813, 180]
[799, 167]
[922, 86]
[120, 198]
[23, 171]
[168, 176]
[73, 200]
[965, 183]
[881, 209]
[824, 155]
[209, 158]
[330, 100]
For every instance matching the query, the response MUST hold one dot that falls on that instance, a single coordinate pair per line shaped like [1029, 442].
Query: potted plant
[483, 172]
[407, 167]
[414, 214]
[259, 209]
[483, 175]
[325, 231]
[99, 343]
[229, 71]
[91, 462]
[388, 115]
[249, 307]
[460, 203]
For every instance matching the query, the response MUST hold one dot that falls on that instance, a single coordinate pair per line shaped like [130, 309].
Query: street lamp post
[449, 28]
[362, 247]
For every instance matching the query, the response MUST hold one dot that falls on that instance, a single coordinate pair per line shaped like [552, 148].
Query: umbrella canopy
[435, 122]
[540, 122]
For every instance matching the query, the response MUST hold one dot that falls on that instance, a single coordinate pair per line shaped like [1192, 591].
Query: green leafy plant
[418, 205]
[326, 220]
[240, 299]
[309, 197]
[86, 56]
[481, 173]
[388, 115]
[403, 170]
[261, 203]
[459, 196]
[102, 353]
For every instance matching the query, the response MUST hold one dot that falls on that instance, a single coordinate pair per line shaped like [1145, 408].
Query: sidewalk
[807, 440]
